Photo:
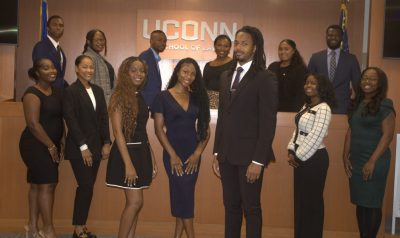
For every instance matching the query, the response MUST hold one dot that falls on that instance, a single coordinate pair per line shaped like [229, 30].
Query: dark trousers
[240, 196]
[309, 183]
[85, 177]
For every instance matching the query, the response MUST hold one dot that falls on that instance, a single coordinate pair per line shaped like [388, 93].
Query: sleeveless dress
[366, 131]
[139, 151]
[182, 135]
[36, 156]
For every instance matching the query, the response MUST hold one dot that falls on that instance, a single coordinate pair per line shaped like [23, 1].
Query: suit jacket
[46, 49]
[102, 75]
[153, 83]
[85, 125]
[247, 118]
[347, 71]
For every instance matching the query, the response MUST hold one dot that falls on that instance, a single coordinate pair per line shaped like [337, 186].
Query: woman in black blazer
[88, 139]
[291, 72]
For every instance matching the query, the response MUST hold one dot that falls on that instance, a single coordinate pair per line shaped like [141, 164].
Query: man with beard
[158, 42]
[50, 48]
[245, 131]
[340, 67]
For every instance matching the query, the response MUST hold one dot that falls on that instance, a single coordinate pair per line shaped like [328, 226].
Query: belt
[303, 133]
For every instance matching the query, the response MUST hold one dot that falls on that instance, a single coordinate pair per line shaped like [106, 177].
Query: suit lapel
[54, 55]
[86, 99]
[155, 62]
[325, 62]
[341, 64]
[242, 85]
[98, 97]
[225, 89]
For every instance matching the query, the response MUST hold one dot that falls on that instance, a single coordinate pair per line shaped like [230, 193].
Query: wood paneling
[7, 72]
[277, 193]
[304, 21]
[391, 68]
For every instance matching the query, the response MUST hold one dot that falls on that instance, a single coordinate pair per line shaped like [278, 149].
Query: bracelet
[52, 147]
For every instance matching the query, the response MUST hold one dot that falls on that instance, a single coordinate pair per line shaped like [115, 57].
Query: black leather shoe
[90, 234]
[81, 235]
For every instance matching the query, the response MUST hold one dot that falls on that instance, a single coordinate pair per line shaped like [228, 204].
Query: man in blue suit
[50, 48]
[340, 67]
[158, 42]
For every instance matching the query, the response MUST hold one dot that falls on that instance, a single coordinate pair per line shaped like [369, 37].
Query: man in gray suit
[340, 67]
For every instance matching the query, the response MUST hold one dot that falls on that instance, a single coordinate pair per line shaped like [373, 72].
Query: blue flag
[43, 19]
[343, 25]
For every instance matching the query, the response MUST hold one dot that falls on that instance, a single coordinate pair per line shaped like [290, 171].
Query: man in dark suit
[245, 131]
[50, 48]
[158, 42]
[340, 67]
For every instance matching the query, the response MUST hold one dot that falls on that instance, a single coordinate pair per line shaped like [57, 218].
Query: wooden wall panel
[277, 193]
[391, 68]
[305, 21]
[7, 72]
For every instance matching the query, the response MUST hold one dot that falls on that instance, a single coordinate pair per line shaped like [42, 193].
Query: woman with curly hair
[366, 154]
[179, 109]
[130, 166]
[309, 157]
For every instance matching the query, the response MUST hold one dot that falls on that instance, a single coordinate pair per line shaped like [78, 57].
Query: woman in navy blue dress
[179, 109]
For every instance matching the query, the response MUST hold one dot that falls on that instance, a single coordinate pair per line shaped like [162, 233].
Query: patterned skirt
[213, 96]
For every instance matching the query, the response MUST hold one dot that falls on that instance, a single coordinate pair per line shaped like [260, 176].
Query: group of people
[72, 122]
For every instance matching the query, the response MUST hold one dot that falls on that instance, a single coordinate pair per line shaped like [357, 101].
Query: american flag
[343, 25]
[43, 19]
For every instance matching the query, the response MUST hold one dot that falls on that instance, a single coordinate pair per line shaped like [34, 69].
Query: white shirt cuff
[255, 162]
[83, 147]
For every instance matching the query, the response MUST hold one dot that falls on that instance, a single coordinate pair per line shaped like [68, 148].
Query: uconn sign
[190, 30]
[189, 33]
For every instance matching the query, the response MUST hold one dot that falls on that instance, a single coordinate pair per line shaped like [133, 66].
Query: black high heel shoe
[89, 234]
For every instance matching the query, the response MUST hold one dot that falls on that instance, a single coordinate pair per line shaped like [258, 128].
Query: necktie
[236, 81]
[59, 52]
[332, 66]
[59, 55]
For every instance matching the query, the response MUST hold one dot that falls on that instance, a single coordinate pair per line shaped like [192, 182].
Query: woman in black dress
[291, 71]
[214, 69]
[130, 166]
[181, 122]
[88, 139]
[40, 145]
